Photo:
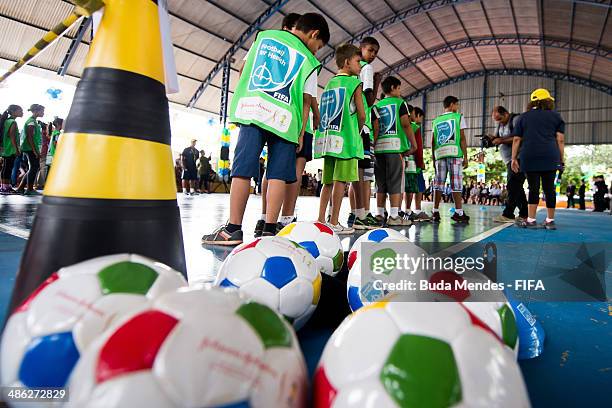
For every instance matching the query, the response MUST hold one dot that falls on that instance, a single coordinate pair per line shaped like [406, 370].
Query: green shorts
[411, 183]
[344, 170]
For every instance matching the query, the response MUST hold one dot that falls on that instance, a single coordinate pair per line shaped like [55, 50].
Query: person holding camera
[506, 122]
[540, 131]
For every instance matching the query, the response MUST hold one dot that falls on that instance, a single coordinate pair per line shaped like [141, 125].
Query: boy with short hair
[395, 139]
[415, 182]
[360, 216]
[338, 139]
[449, 152]
[271, 105]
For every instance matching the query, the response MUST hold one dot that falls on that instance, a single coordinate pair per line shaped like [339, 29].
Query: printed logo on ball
[275, 69]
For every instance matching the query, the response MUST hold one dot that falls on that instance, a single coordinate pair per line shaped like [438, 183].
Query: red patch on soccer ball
[247, 246]
[324, 228]
[134, 345]
[352, 257]
[479, 323]
[324, 392]
[450, 277]
[26, 303]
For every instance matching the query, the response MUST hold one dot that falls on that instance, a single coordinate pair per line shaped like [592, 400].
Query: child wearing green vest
[360, 216]
[271, 106]
[395, 139]
[9, 146]
[415, 182]
[31, 143]
[449, 152]
[338, 138]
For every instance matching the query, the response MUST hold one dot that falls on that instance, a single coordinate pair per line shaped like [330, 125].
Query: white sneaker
[339, 229]
[398, 222]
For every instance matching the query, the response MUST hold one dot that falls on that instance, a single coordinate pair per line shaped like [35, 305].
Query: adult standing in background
[204, 173]
[540, 131]
[506, 122]
[570, 191]
[189, 157]
[581, 193]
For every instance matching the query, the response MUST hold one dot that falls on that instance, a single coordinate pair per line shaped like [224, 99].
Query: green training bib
[447, 135]
[7, 146]
[270, 91]
[338, 133]
[23, 140]
[391, 135]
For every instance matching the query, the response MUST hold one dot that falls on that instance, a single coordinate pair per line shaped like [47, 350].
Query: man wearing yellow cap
[539, 133]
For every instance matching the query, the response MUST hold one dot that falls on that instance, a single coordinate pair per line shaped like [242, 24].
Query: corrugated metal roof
[202, 31]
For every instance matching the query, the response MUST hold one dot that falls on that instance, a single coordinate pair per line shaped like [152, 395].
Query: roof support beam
[495, 41]
[520, 72]
[76, 41]
[601, 34]
[252, 29]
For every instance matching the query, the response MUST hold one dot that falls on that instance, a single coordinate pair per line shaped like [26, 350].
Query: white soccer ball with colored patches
[276, 272]
[409, 354]
[363, 289]
[320, 241]
[47, 334]
[196, 347]
[374, 236]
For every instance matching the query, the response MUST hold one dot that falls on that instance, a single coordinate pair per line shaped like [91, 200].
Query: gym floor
[575, 369]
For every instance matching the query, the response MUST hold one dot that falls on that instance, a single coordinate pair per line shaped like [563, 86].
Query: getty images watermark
[486, 272]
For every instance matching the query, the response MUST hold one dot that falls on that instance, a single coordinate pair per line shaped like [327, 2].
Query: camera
[486, 141]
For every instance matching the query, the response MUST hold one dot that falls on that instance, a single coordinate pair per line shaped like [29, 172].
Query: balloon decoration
[264, 154]
[211, 122]
[54, 93]
[224, 165]
[232, 126]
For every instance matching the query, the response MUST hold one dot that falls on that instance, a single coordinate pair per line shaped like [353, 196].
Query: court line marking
[15, 231]
[460, 246]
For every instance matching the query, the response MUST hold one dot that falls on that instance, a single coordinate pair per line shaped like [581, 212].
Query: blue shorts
[306, 151]
[281, 155]
[421, 182]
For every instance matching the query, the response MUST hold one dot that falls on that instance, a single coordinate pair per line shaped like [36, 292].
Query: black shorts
[190, 173]
[366, 162]
[306, 151]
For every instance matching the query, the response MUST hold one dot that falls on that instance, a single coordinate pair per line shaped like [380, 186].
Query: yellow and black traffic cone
[111, 188]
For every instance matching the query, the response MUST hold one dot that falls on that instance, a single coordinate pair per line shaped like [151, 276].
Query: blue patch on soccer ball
[241, 404]
[378, 235]
[279, 271]
[48, 361]
[311, 247]
[226, 283]
[354, 299]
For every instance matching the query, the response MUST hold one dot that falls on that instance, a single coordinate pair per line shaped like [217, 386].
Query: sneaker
[460, 218]
[380, 220]
[351, 220]
[398, 222]
[266, 234]
[422, 217]
[373, 221]
[259, 228]
[360, 224]
[186, 193]
[194, 193]
[503, 219]
[412, 216]
[339, 229]
[221, 236]
[31, 193]
[401, 213]
[549, 225]
[528, 224]
[435, 217]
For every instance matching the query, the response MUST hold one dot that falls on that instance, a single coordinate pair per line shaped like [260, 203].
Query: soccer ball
[363, 290]
[376, 235]
[320, 241]
[195, 347]
[45, 336]
[410, 354]
[491, 307]
[276, 272]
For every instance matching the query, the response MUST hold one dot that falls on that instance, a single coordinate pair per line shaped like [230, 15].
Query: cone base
[68, 230]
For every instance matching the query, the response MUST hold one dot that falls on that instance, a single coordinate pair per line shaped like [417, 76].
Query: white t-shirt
[463, 124]
[367, 77]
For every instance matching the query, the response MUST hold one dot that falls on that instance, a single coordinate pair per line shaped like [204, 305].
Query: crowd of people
[26, 154]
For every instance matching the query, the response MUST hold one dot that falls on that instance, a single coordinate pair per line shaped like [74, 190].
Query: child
[395, 139]
[272, 106]
[31, 143]
[9, 146]
[449, 152]
[360, 216]
[338, 138]
[415, 182]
